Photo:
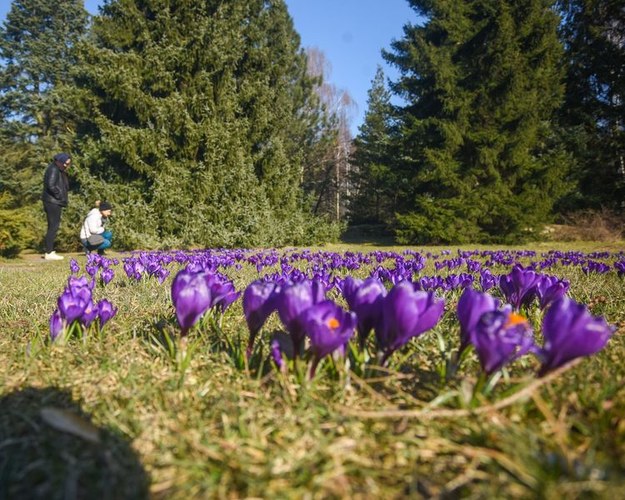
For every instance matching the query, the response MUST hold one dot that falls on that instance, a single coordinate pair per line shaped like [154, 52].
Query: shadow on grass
[49, 448]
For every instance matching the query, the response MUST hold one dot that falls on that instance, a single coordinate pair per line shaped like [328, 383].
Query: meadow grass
[220, 431]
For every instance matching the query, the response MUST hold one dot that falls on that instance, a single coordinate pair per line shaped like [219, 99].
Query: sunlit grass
[219, 431]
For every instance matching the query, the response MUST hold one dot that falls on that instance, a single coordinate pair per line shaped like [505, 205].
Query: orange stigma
[515, 319]
[333, 323]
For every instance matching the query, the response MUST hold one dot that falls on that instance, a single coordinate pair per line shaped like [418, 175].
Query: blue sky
[350, 33]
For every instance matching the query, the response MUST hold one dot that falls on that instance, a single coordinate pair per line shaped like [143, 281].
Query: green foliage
[481, 81]
[375, 186]
[591, 118]
[194, 119]
[16, 227]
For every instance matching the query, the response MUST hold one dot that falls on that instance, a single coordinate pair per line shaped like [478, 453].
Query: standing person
[55, 188]
[93, 235]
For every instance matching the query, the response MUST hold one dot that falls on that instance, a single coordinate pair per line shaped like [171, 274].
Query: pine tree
[593, 114]
[196, 116]
[481, 80]
[373, 199]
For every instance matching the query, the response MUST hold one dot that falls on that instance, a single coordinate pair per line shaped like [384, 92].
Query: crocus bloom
[549, 289]
[365, 299]
[73, 302]
[471, 306]
[500, 337]
[191, 297]
[259, 301]
[406, 313]
[329, 328]
[106, 311]
[89, 314]
[56, 325]
[73, 266]
[107, 275]
[570, 331]
[293, 300]
[281, 347]
[519, 286]
[223, 294]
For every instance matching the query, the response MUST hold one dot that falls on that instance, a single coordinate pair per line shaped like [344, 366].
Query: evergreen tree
[37, 40]
[197, 117]
[373, 198]
[593, 114]
[481, 80]
[36, 54]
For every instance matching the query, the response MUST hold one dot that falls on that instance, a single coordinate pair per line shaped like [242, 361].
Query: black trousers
[53, 214]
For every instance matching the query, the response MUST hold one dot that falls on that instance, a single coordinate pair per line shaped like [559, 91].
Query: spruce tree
[481, 80]
[37, 41]
[592, 117]
[373, 159]
[196, 116]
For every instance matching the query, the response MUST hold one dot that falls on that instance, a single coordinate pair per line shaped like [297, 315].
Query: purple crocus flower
[487, 280]
[191, 297]
[328, 327]
[293, 300]
[406, 313]
[73, 302]
[281, 348]
[106, 311]
[259, 301]
[223, 293]
[56, 325]
[365, 299]
[471, 306]
[499, 338]
[570, 331]
[549, 289]
[107, 275]
[519, 286]
[89, 314]
[73, 266]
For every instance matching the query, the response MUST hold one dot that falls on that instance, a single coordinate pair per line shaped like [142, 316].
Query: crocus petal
[191, 297]
[570, 331]
[499, 338]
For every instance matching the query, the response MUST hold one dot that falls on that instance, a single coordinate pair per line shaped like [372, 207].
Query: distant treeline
[205, 125]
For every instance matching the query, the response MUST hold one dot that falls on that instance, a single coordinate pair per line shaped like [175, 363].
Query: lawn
[118, 414]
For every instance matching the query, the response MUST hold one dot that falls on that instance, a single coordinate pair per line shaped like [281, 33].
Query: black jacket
[55, 185]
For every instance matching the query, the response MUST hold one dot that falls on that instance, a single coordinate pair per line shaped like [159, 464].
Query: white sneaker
[53, 256]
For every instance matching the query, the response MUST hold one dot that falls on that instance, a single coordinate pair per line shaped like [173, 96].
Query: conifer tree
[481, 80]
[37, 40]
[593, 113]
[373, 199]
[196, 116]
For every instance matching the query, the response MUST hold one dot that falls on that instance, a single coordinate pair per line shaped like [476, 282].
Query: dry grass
[588, 225]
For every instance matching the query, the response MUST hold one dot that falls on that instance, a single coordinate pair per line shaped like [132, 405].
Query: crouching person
[93, 234]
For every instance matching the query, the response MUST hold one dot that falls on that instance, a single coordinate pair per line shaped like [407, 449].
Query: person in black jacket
[55, 188]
